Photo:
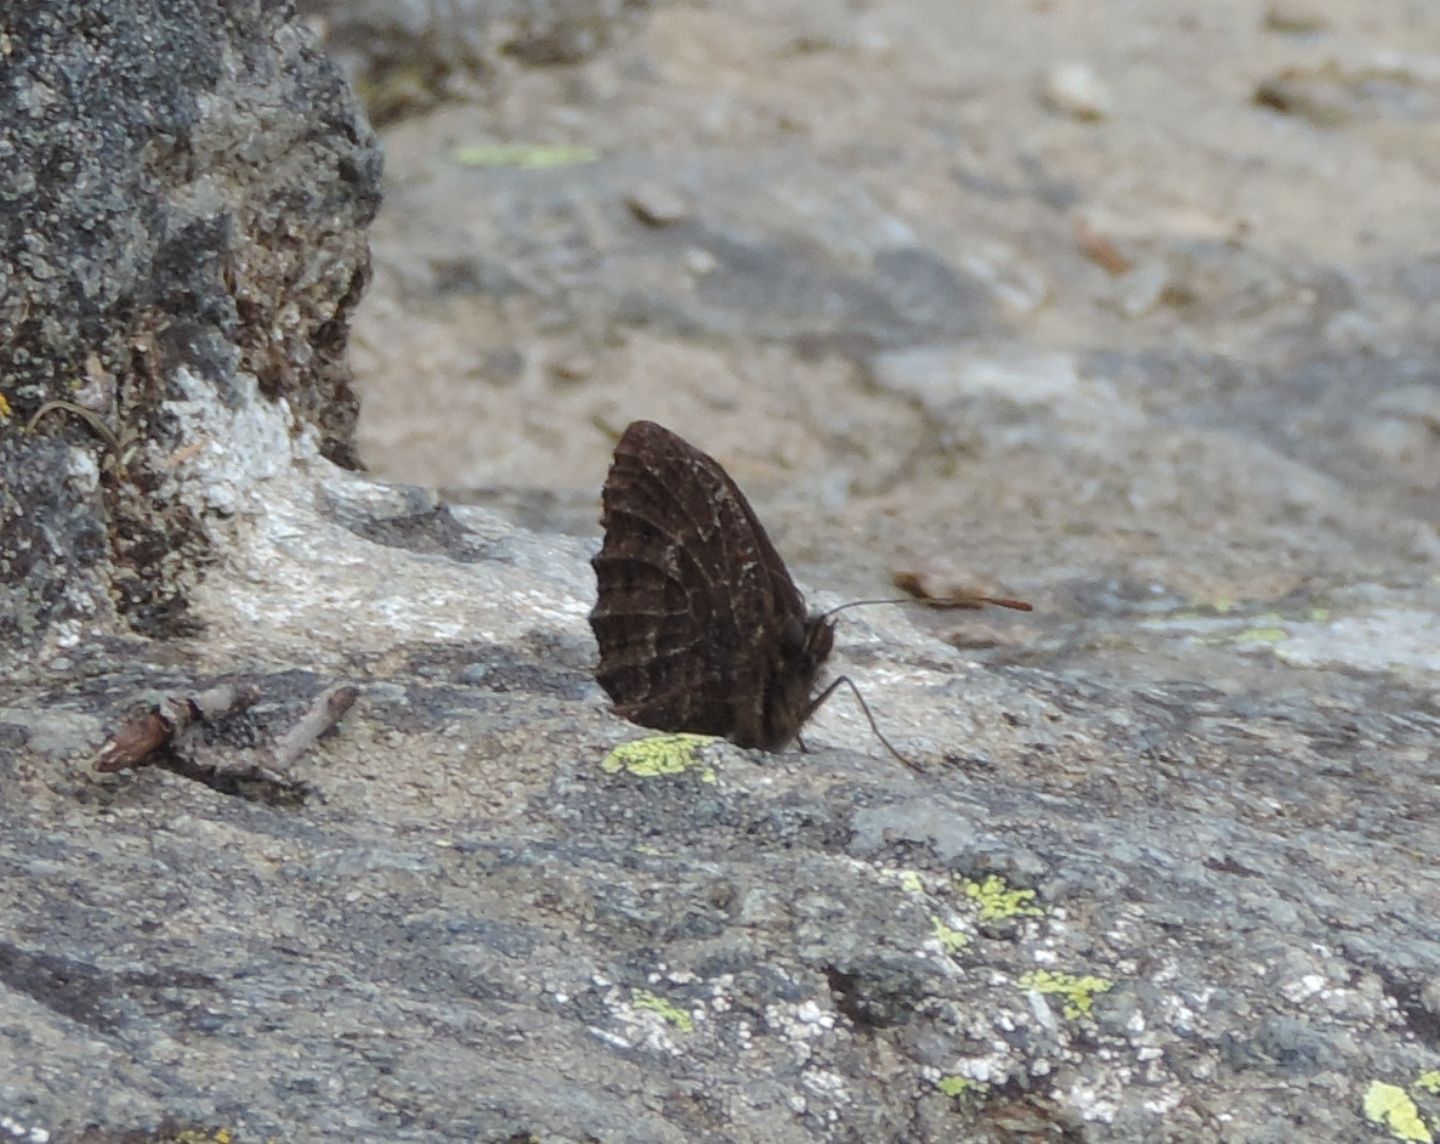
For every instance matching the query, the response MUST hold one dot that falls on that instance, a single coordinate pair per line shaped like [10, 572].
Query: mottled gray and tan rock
[186, 195]
[1172, 872]
[406, 57]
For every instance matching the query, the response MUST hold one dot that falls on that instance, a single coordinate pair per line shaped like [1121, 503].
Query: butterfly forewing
[699, 625]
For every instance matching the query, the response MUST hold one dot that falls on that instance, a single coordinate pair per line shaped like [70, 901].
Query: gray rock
[178, 230]
[1183, 895]
[407, 56]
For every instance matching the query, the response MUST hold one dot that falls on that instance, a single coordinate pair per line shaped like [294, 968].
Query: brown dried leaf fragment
[156, 726]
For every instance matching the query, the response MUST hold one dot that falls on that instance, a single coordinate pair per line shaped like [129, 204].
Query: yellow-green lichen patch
[1195, 611]
[5, 411]
[660, 755]
[958, 1085]
[1390, 1105]
[523, 156]
[911, 882]
[1429, 1082]
[671, 1014]
[1078, 993]
[997, 901]
[951, 940]
[1263, 635]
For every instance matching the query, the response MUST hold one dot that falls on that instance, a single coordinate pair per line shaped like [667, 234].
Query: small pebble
[700, 262]
[1141, 289]
[1293, 17]
[655, 205]
[1077, 91]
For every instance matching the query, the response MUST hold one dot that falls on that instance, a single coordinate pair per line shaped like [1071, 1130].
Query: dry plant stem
[324, 712]
[998, 601]
[953, 601]
[87, 415]
[146, 732]
[1101, 249]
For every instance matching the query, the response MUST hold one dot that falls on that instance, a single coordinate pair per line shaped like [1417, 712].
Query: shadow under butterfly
[700, 626]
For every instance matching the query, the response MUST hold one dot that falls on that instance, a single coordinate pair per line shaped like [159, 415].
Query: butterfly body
[699, 625]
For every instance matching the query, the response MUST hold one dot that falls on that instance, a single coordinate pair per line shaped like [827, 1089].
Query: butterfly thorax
[801, 652]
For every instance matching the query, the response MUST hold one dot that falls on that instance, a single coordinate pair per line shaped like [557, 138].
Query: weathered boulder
[182, 236]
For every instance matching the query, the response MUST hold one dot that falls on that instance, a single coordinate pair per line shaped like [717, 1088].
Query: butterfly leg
[818, 701]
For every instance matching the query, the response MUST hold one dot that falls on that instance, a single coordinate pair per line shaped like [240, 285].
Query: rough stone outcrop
[185, 192]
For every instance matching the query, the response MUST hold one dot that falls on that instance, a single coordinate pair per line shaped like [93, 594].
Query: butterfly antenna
[957, 601]
[865, 707]
[939, 603]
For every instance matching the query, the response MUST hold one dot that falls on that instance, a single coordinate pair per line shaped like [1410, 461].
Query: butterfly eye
[819, 637]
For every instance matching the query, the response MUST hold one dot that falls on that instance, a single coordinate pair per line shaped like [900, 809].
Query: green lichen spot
[1390, 1105]
[910, 882]
[644, 999]
[998, 901]
[660, 755]
[1263, 635]
[1078, 992]
[952, 939]
[1429, 1082]
[524, 156]
[957, 1085]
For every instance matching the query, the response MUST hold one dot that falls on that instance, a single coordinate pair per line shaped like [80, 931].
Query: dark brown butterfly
[699, 624]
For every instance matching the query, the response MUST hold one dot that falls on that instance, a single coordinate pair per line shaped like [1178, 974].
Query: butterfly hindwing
[699, 625]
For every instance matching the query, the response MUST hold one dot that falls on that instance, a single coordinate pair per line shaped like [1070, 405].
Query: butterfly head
[807, 644]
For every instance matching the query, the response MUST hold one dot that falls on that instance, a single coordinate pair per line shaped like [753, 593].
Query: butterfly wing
[699, 625]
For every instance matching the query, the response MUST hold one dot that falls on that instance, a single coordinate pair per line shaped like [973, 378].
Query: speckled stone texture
[183, 197]
[403, 57]
[1171, 874]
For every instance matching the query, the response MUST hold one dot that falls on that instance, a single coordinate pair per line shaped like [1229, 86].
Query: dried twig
[1101, 249]
[157, 734]
[323, 713]
[89, 416]
[147, 731]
